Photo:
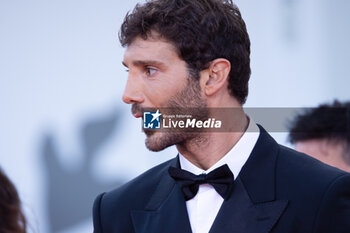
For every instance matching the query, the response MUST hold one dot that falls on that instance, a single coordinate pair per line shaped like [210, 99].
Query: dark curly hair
[328, 121]
[12, 219]
[200, 30]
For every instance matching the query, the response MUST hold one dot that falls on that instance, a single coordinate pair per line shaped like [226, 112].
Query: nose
[133, 91]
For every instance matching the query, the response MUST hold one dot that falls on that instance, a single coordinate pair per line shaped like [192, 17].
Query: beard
[188, 99]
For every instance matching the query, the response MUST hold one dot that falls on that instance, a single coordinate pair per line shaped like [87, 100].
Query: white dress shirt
[203, 208]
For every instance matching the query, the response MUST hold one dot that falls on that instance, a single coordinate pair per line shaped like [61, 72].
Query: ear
[216, 76]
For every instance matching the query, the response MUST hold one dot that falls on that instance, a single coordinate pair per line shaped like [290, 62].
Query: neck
[208, 148]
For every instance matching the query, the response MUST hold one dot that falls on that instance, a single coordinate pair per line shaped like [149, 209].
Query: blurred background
[65, 134]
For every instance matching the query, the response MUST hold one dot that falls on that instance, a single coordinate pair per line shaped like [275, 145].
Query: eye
[150, 70]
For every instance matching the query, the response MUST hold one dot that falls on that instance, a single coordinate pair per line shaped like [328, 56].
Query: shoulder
[136, 192]
[334, 211]
[321, 191]
[133, 195]
[303, 177]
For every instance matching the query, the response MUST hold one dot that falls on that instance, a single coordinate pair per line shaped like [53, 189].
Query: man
[195, 54]
[324, 133]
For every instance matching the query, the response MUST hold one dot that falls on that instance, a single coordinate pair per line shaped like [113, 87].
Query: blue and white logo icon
[151, 120]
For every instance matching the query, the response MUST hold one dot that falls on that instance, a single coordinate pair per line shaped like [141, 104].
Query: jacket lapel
[252, 206]
[239, 214]
[166, 210]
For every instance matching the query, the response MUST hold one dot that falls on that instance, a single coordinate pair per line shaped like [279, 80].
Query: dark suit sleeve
[96, 213]
[334, 212]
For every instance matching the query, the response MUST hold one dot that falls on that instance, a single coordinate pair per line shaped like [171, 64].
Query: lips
[137, 110]
[137, 115]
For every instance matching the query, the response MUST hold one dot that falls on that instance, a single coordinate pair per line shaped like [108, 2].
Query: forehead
[150, 49]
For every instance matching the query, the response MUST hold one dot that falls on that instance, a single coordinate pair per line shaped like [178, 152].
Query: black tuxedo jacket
[277, 190]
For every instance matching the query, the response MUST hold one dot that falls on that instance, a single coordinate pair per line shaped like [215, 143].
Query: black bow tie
[221, 179]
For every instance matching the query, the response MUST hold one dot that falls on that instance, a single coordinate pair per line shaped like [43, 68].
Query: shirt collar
[235, 158]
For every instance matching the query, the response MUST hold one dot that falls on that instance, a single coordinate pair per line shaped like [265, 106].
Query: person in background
[12, 219]
[324, 133]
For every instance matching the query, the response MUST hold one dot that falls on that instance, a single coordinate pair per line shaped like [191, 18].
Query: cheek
[162, 91]
[158, 95]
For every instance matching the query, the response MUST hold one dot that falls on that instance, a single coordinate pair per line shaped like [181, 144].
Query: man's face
[159, 78]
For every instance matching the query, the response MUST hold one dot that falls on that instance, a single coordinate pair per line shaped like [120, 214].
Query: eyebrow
[145, 62]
